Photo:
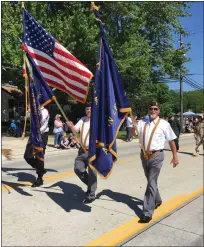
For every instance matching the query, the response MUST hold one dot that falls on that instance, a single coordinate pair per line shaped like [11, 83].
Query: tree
[195, 101]
[140, 35]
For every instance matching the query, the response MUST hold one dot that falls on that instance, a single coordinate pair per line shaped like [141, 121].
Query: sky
[194, 24]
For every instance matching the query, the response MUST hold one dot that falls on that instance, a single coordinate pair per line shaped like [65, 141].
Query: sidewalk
[17, 146]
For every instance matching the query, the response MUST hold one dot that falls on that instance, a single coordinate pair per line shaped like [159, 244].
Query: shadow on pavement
[22, 176]
[131, 202]
[180, 152]
[16, 187]
[51, 145]
[71, 199]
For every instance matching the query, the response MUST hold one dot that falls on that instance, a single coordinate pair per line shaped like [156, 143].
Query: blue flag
[109, 109]
[40, 95]
[35, 120]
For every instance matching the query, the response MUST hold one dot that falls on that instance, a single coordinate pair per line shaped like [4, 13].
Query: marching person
[81, 161]
[29, 156]
[152, 136]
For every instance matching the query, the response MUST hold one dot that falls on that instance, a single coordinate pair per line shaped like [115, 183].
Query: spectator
[13, 124]
[73, 141]
[58, 129]
[129, 125]
[176, 127]
[64, 142]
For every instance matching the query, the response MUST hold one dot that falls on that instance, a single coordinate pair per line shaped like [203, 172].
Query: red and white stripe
[65, 72]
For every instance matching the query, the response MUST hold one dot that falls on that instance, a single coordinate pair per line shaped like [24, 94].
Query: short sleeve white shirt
[129, 122]
[45, 119]
[163, 132]
[86, 129]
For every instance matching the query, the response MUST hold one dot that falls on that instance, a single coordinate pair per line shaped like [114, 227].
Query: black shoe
[87, 192]
[37, 183]
[145, 219]
[88, 200]
[158, 204]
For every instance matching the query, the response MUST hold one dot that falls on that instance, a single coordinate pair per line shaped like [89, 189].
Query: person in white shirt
[29, 156]
[152, 136]
[81, 161]
[129, 125]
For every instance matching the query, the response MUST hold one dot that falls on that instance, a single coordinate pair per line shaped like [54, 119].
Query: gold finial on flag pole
[22, 5]
[94, 7]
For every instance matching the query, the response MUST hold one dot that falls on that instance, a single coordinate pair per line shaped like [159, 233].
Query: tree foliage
[140, 35]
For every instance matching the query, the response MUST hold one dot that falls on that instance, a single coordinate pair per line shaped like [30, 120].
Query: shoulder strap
[81, 133]
[151, 136]
[144, 134]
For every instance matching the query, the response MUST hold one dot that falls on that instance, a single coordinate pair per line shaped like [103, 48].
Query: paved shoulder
[182, 228]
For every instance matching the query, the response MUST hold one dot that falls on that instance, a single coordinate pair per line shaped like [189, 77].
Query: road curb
[51, 151]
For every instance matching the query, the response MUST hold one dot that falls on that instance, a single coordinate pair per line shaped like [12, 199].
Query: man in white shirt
[29, 156]
[152, 137]
[81, 161]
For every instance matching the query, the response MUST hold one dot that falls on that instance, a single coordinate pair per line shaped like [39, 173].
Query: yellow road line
[49, 178]
[125, 226]
[53, 177]
[67, 174]
[129, 229]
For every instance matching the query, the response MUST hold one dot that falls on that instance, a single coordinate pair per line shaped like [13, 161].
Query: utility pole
[181, 89]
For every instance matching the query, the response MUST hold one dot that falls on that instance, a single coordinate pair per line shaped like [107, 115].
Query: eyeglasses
[153, 108]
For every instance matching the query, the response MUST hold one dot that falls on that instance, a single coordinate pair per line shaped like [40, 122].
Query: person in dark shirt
[175, 125]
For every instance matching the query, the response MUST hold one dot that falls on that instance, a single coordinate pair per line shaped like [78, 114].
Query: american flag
[59, 67]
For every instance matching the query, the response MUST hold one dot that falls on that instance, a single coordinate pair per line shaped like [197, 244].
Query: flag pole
[26, 100]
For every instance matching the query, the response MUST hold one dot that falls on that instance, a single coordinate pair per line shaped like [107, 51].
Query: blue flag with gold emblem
[109, 109]
[35, 123]
[40, 95]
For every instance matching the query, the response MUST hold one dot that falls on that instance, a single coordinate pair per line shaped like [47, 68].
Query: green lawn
[122, 135]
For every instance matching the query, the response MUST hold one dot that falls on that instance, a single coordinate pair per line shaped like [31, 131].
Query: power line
[195, 74]
[189, 84]
[192, 84]
[189, 78]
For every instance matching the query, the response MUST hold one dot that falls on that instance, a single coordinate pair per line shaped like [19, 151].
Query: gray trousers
[90, 178]
[152, 169]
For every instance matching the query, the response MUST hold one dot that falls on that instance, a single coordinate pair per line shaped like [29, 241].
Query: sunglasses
[153, 108]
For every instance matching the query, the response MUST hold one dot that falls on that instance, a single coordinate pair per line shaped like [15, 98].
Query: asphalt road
[63, 161]
[53, 215]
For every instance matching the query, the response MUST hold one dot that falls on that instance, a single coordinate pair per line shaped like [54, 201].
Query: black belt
[152, 152]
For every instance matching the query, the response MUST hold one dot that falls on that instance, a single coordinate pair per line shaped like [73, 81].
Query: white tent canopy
[189, 114]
